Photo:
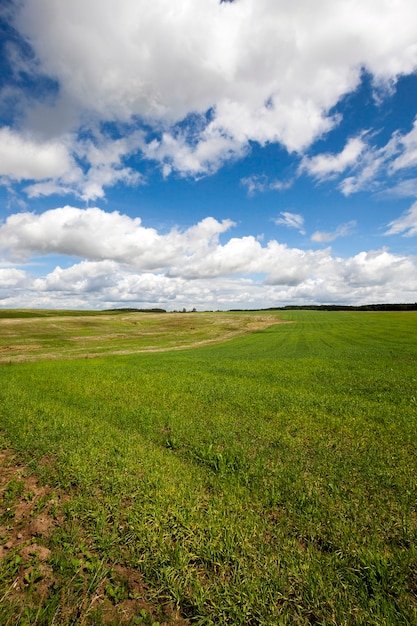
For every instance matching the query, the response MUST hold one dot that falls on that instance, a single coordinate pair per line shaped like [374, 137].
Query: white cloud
[360, 166]
[403, 189]
[326, 165]
[97, 235]
[378, 268]
[281, 185]
[291, 220]
[82, 278]
[406, 224]
[408, 147]
[12, 278]
[47, 188]
[120, 262]
[53, 163]
[265, 70]
[376, 167]
[177, 152]
[341, 231]
[22, 157]
[105, 157]
[255, 184]
[261, 183]
[295, 277]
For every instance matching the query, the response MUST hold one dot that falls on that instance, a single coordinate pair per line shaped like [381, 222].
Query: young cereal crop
[266, 480]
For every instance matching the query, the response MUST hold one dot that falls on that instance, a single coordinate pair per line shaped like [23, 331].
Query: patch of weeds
[10, 566]
[78, 583]
[12, 492]
[115, 590]
[29, 496]
[145, 619]
[32, 576]
[172, 443]
[41, 503]
[219, 459]
[14, 489]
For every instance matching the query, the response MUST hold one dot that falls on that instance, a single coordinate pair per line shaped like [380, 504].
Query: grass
[266, 480]
[37, 334]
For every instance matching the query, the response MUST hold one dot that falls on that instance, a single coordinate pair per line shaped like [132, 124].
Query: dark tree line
[343, 307]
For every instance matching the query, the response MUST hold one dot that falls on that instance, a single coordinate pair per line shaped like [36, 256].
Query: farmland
[209, 468]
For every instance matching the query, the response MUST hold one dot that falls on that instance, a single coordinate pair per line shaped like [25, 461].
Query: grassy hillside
[266, 480]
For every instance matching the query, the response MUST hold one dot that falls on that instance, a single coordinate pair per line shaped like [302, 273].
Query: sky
[207, 154]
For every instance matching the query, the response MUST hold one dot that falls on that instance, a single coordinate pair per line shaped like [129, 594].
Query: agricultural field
[208, 468]
[26, 335]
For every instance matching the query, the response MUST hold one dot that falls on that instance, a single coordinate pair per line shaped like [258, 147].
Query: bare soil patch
[32, 512]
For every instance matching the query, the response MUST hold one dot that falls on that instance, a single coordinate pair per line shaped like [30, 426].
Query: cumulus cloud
[23, 157]
[82, 278]
[406, 224]
[97, 235]
[297, 277]
[109, 89]
[210, 77]
[291, 220]
[11, 277]
[120, 262]
[378, 267]
[341, 231]
[104, 158]
[178, 152]
[54, 164]
[91, 233]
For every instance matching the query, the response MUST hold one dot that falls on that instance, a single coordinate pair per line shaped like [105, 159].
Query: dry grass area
[76, 336]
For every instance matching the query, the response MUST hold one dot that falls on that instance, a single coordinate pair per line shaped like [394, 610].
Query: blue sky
[207, 154]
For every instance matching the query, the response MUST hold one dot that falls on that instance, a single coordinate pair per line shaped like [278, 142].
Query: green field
[264, 480]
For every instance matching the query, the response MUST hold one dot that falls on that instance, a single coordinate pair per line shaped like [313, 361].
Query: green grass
[266, 480]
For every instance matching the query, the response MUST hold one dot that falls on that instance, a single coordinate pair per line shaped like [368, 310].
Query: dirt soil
[28, 523]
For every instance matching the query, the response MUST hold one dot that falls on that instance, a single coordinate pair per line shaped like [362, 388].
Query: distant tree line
[306, 307]
[342, 307]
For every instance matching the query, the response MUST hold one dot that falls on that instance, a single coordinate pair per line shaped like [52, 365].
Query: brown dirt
[26, 530]
[31, 518]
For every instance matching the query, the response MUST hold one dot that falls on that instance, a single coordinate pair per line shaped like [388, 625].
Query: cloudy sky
[207, 154]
